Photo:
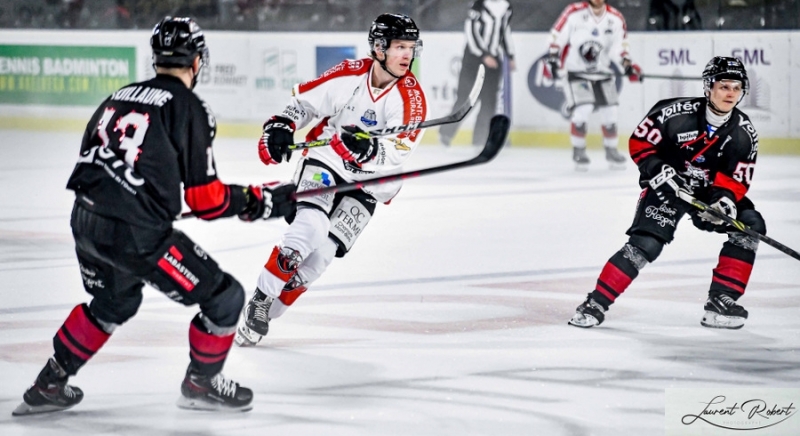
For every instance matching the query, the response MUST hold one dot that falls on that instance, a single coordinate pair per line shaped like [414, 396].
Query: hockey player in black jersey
[142, 143]
[705, 148]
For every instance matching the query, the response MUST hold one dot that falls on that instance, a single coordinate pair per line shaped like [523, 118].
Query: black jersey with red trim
[141, 144]
[676, 132]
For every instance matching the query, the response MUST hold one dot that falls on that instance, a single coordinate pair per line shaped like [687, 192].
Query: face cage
[383, 45]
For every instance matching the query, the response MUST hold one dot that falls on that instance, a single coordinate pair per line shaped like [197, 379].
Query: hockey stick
[641, 76]
[454, 117]
[738, 225]
[498, 131]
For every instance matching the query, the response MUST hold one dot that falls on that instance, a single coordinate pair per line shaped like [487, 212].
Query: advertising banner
[63, 75]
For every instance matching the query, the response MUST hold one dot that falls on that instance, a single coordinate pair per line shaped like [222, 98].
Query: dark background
[356, 15]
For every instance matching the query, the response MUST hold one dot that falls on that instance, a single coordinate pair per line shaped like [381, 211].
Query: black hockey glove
[270, 200]
[277, 136]
[722, 201]
[552, 60]
[354, 145]
[668, 185]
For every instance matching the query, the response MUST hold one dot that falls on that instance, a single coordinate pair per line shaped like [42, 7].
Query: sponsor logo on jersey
[323, 178]
[199, 252]
[355, 65]
[410, 82]
[748, 127]
[369, 118]
[595, 32]
[696, 173]
[590, 51]
[171, 264]
[663, 215]
[688, 136]
[676, 109]
[399, 144]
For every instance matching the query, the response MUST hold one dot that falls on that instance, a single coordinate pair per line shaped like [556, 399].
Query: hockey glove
[634, 73]
[722, 201]
[552, 60]
[273, 147]
[354, 145]
[270, 200]
[668, 185]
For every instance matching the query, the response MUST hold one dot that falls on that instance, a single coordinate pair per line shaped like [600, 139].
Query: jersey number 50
[643, 131]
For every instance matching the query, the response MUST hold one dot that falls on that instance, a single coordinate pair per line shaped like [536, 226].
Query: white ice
[449, 317]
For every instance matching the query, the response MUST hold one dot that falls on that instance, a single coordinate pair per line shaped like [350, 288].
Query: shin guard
[78, 339]
[208, 350]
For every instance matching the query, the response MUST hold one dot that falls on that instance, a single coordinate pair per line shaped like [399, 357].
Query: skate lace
[223, 386]
[727, 301]
[260, 311]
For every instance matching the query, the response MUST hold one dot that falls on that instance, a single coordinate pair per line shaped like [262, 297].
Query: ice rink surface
[447, 318]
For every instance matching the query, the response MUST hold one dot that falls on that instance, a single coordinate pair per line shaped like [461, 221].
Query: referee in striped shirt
[488, 34]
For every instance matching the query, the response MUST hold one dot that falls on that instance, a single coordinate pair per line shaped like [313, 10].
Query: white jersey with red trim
[587, 42]
[343, 96]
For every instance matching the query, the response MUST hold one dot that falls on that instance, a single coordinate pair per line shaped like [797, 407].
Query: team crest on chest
[369, 118]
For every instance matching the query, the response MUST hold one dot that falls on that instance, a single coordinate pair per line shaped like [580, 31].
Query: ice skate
[256, 320]
[722, 312]
[580, 158]
[202, 392]
[49, 393]
[616, 161]
[589, 314]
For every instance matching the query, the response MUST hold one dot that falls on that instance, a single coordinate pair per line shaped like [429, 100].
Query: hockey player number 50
[643, 131]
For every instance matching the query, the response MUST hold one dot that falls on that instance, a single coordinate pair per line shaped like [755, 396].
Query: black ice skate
[202, 392]
[580, 158]
[49, 393]
[722, 312]
[256, 320]
[589, 314]
[616, 161]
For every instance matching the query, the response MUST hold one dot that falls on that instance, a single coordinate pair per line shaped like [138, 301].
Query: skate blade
[583, 321]
[716, 321]
[246, 337]
[580, 167]
[197, 404]
[26, 409]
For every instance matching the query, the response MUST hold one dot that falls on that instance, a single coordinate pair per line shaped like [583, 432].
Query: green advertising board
[63, 75]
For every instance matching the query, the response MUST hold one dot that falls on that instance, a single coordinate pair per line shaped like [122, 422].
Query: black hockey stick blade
[498, 131]
[740, 226]
[454, 117]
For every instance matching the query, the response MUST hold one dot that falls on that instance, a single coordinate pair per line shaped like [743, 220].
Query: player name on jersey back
[143, 94]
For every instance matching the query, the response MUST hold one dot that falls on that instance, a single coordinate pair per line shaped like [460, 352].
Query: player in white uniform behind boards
[585, 40]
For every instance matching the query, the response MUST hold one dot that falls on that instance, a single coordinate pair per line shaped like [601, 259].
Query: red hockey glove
[273, 147]
[270, 200]
[634, 72]
[354, 145]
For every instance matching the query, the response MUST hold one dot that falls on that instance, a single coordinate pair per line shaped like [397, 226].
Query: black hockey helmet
[725, 68]
[177, 41]
[387, 27]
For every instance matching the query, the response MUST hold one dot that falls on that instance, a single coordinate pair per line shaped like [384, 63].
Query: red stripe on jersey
[208, 201]
[314, 133]
[567, 12]
[613, 11]
[724, 181]
[415, 107]
[640, 149]
[343, 69]
[175, 274]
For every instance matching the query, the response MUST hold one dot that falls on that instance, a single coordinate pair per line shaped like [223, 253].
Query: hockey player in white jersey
[354, 96]
[586, 39]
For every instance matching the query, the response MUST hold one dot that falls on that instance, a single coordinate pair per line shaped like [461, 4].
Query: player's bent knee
[225, 303]
[116, 311]
[649, 246]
